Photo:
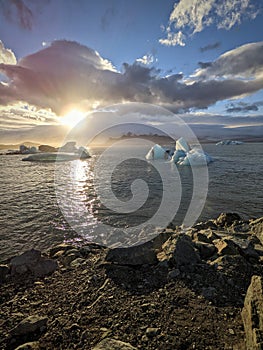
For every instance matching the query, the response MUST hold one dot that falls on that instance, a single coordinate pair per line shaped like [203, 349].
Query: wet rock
[226, 247]
[184, 253]
[227, 219]
[31, 324]
[206, 250]
[4, 271]
[143, 254]
[77, 262]
[112, 344]
[252, 314]
[32, 261]
[201, 236]
[29, 346]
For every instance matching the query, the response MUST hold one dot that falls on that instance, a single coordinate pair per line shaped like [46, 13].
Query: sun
[72, 118]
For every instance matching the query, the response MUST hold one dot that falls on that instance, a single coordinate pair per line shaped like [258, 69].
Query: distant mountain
[16, 146]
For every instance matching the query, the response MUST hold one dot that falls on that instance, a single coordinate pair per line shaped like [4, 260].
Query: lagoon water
[32, 218]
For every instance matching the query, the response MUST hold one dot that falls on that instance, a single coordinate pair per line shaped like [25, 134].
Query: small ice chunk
[182, 145]
[177, 155]
[196, 157]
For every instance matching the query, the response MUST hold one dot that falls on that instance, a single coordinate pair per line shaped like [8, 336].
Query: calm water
[31, 217]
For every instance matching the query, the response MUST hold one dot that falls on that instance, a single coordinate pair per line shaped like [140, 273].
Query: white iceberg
[229, 142]
[195, 157]
[157, 152]
[81, 153]
[182, 145]
[183, 154]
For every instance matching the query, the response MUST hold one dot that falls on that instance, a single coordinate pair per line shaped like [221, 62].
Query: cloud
[22, 12]
[6, 55]
[107, 17]
[210, 47]
[242, 107]
[146, 59]
[245, 61]
[190, 17]
[69, 75]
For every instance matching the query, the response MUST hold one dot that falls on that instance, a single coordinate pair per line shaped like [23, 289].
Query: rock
[32, 261]
[29, 346]
[4, 271]
[143, 254]
[206, 250]
[152, 332]
[252, 314]
[60, 247]
[184, 253]
[209, 293]
[174, 274]
[227, 219]
[31, 324]
[257, 228]
[112, 344]
[226, 247]
[200, 236]
[77, 262]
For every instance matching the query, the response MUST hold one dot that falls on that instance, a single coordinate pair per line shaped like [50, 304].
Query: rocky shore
[198, 288]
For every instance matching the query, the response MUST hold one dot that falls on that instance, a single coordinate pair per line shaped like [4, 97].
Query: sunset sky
[59, 59]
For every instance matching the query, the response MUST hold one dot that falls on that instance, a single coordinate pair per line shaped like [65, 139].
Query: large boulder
[4, 271]
[184, 253]
[29, 325]
[252, 314]
[143, 254]
[113, 344]
[227, 219]
[257, 228]
[31, 261]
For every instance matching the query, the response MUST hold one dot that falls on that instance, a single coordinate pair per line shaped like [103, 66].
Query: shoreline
[181, 290]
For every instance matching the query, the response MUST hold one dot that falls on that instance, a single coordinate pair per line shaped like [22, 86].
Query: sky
[61, 59]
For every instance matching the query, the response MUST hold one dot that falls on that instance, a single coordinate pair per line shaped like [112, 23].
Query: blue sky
[159, 52]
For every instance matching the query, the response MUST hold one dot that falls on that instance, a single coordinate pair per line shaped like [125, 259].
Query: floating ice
[183, 154]
[157, 152]
[229, 142]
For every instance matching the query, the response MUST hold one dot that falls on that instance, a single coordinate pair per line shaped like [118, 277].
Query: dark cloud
[67, 73]
[204, 65]
[243, 107]
[21, 12]
[108, 17]
[245, 61]
[210, 47]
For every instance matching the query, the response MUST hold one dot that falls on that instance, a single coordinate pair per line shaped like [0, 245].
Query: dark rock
[143, 254]
[112, 344]
[184, 253]
[152, 332]
[252, 314]
[226, 247]
[227, 219]
[206, 250]
[4, 271]
[201, 237]
[32, 261]
[31, 324]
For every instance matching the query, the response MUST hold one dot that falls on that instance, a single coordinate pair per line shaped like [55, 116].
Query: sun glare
[72, 118]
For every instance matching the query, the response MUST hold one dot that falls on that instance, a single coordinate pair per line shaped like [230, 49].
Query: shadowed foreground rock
[252, 314]
[183, 290]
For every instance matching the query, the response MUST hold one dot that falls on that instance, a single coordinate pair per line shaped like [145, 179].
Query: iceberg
[182, 145]
[229, 142]
[183, 154]
[195, 157]
[157, 152]
[81, 153]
